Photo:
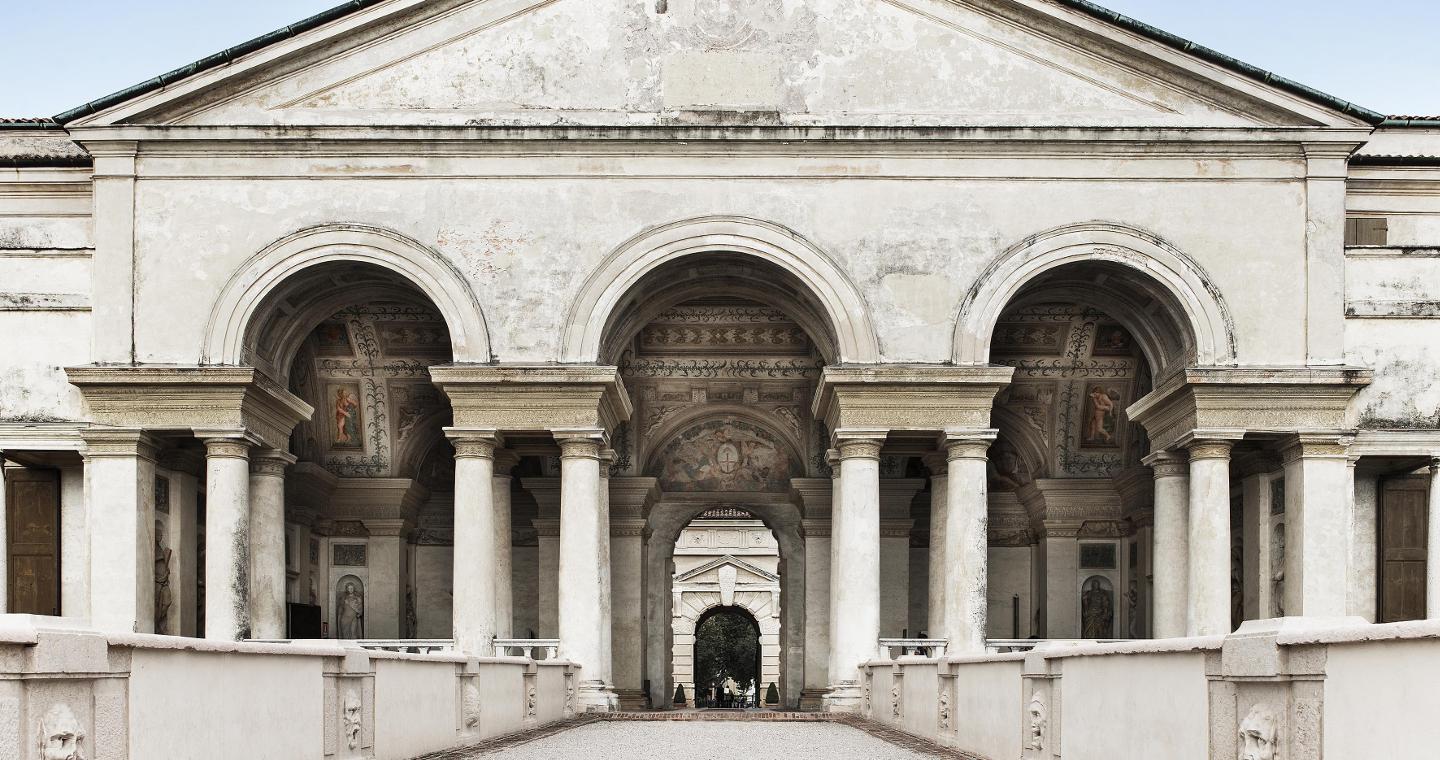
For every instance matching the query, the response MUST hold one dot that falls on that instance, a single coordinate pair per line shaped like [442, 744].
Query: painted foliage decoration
[725, 455]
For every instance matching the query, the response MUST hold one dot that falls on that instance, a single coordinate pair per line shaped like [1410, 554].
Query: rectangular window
[1366, 230]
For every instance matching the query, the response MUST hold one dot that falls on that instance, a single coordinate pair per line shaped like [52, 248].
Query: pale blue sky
[1380, 54]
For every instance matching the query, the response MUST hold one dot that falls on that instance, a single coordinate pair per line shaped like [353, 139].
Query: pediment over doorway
[710, 572]
[638, 62]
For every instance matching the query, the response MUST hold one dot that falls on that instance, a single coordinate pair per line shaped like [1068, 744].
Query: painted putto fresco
[725, 455]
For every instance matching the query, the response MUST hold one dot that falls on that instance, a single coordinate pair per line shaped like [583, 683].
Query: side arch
[260, 276]
[1194, 296]
[606, 287]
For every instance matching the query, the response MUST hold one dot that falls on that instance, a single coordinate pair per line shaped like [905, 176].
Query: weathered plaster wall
[913, 245]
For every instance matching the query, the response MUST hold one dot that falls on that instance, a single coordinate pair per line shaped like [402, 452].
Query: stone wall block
[112, 718]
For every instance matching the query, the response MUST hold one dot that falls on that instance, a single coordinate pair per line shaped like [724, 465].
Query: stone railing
[1307, 689]
[1007, 646]
[912, 647]
[137, 697]
[527, 648]
[407, 646]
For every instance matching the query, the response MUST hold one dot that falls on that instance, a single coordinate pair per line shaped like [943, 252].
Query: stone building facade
[1009, 319]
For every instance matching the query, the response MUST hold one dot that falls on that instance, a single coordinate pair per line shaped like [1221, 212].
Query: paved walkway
[664, 740]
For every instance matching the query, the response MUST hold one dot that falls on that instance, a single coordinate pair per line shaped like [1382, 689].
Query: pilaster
[120, 476]
[1317, 530]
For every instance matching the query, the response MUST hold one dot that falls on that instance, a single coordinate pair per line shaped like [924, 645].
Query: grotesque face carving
[352, 719]
[60, 735]
[1259, 739]
[471, 706]
[1037, 723]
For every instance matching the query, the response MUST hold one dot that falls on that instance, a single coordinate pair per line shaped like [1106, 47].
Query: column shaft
[120, 472]
[475, 540]
[855, 589]
[1209, 608]
[1317, 526]
[935, 595]
[267, 544]
[606, 651]
[504, 584]
[1171, 549]
[580, 594]
[966, 546]
[1432, 566]
[227, 538]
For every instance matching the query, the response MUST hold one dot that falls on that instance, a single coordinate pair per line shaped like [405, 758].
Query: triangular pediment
[744, 572]
[794, 62]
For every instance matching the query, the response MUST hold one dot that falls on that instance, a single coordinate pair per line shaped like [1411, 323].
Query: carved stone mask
[60, 735]
[1259, 738]
[352, 719]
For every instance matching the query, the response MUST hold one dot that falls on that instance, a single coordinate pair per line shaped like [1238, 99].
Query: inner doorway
[727, 660]
[32, 514]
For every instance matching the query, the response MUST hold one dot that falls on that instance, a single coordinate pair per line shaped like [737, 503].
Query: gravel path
[663, 740]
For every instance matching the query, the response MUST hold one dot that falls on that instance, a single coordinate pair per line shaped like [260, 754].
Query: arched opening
[355, 340]
[1069, 496]
[721, 351]
[726, 561]
[728, 669]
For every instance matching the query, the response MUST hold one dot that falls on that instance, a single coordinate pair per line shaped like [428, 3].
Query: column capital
[607, 458]
[967, 444]
[584, 443]
[120, 442]
[505, 461]
[474, 443]
[1211, 444]
[1168, 464]
[1317, 444]
[1434, 465]
[937, 463]
[270, 462]
[832, 458]
[859, 448]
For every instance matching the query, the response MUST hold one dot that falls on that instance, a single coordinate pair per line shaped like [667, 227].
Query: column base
[596, 697]
[844, 697]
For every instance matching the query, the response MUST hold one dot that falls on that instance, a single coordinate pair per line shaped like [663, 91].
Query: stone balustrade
[1303, 688]
[912, 647]
[135, 697]
[527, 648]
[1006, 646]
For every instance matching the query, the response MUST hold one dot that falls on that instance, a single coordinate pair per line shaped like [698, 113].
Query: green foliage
[772, 695]
[679, 693]
[727, 644]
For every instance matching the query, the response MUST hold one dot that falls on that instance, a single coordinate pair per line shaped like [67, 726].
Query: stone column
[1170, 552]
[1209, 608]
[832, 623]
[935, 597]
[580, 593]
[966, 543]
[227, 536]
[855, 591]
[475, 541]
[120, 474]
[607, 618]
[1364, 551]
[1317, 529]
[267, 543]
[504, 582]
[1432, 566]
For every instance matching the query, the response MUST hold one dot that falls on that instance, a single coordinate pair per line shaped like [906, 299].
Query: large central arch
[838, 297]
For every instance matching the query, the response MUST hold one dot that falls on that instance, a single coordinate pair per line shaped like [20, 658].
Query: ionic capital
[1212, 444]
[474, 443]
[832, 459]
[580, 444]
[967, 444]
[1168, 464]
[270, 462]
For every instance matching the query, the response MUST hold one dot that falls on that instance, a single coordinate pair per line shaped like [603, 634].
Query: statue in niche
[1259, 734]
[61, 737]
[352, 718]
[350, 610]
[1277, 568]
[412, 619]
[1097, 609]
[163, 596]
[314, 593]
[1037, 722]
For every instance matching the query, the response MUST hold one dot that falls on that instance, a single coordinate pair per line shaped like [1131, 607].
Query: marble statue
[163, 596]
[1277, 566]
[1037, 722]
[1097, 610]
[1259, 734]
[350, 612]
[352, 718]
[61, 737]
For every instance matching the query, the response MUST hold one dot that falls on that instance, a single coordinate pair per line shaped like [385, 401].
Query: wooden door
[1403, 507]
[32, 509]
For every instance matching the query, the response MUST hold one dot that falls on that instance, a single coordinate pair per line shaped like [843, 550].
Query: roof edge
[1235, 65]
[1378, 160]
[217, 60]
[1411, 121]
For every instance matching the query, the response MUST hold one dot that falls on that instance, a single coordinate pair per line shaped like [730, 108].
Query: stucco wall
[985, 707]
[1109, 714]
[1377, 697]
